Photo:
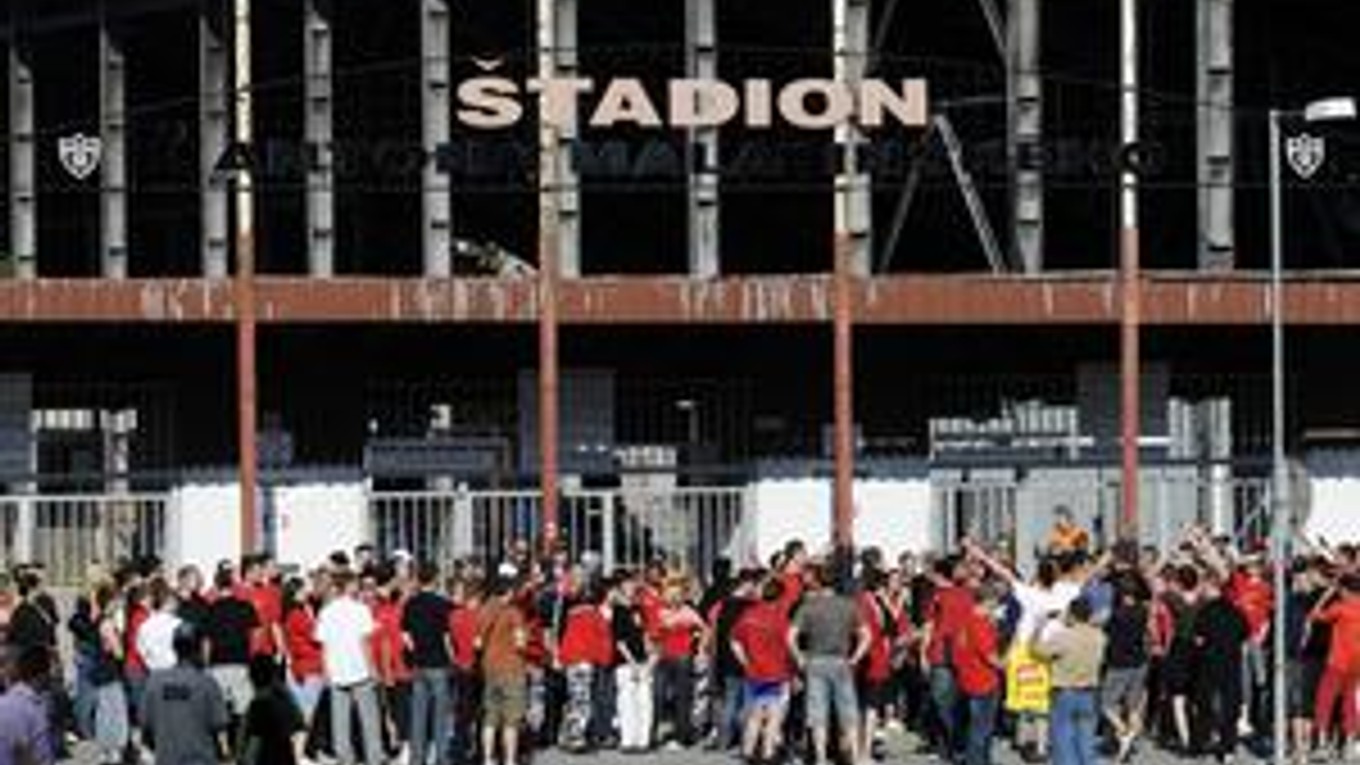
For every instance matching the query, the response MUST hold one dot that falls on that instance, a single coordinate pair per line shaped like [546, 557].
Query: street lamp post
[1333, 109]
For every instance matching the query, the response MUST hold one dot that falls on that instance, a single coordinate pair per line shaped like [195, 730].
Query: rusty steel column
[1130, 368]
[245, 284]
[549, 265]
[844, 529]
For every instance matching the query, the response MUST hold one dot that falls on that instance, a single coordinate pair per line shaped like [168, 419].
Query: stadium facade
[399, 295]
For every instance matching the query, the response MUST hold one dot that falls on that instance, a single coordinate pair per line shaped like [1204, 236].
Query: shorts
[830, 682]
[1124, 689]
[504, 702]
[764, 695]
[1303, 676]
[234, 680]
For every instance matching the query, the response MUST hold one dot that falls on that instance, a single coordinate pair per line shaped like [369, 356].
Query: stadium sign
[494, 103]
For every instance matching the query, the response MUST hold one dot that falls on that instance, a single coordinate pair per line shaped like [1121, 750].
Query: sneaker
[674, 746]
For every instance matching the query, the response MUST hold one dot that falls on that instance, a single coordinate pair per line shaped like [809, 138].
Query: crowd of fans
[813, 657]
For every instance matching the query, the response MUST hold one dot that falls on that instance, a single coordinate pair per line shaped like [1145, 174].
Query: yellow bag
[1027, 681]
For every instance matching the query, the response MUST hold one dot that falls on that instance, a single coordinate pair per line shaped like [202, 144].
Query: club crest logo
[1306, 154]
[80, 154]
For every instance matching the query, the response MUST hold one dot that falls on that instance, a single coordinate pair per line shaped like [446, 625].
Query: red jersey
[949, 610]
[974, 647]
[268, 602]
[387, 638]
[304, 652]
[877, 664]
[793, 590]
[763, 634]
[677, 630]
[586, 638]
[463, 636]
[1344, 615]
[650, 605]
[132, 657]
[1254, 600]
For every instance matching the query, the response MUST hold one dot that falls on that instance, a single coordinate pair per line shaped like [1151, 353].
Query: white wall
[1335, 512]
[202, 525]
[893, 515]
[317, 519]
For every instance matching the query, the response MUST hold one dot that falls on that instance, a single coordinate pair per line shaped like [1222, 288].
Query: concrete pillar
[435, 76]
[319, 131]
[854, 201]
[23, 189]
[1025, 136]
[701, 63]
[213, 65]
[1215, 158]
[113, 213]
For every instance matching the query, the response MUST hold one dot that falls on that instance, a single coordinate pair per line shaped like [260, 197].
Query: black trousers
[675, 697]
[1219, 701]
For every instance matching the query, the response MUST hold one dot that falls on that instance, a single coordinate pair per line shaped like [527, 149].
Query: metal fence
[691, 527]
[1018, 506]
[65, 534]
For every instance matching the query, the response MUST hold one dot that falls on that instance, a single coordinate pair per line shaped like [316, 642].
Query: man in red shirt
[263, 593]
[949, 611]
[1341, 679]
[760, 645]
[977, 665]
[680, 632]
[463, 620]
[1250, 593]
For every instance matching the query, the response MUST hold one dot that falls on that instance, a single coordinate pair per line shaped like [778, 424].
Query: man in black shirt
[1220, 634]
[1123, 693]
[193, 607]
[230, 622]
[272, 734]
[425, 630]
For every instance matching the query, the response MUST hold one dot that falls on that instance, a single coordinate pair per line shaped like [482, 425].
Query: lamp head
[1331, 110]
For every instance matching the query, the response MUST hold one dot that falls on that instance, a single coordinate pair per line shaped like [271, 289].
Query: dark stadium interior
[1287, 53]
[761, 393]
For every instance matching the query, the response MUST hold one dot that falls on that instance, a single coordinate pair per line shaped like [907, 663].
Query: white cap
[507, 570]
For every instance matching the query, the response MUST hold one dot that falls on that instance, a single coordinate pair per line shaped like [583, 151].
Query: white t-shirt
[343, 628]
[156, 640]
[1037, 604]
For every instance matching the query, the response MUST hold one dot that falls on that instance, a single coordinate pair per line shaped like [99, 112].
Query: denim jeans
[430, 698]
[1072, 727]
[944, 694]
[674, 698]
[365, 697]
[981, 721]
[734, 691]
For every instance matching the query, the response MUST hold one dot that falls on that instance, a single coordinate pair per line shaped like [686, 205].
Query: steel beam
[1214, 94]
[113, 217]
[853, 198]
[213, 124]
[1170, 300]
[1025, 100]
[435, 116]
[557, 41]
[23, 189]
[705, 216]
[551, 204]
[317, 61]
[243, 98]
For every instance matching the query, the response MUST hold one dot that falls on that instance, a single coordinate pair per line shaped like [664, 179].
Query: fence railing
[1015, 506]
[686, 526]
[66, 534]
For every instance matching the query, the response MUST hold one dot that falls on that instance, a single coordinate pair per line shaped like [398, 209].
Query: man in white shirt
[344, 628]
[156, 636]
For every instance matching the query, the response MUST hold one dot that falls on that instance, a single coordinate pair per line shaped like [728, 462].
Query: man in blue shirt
[25, 734]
